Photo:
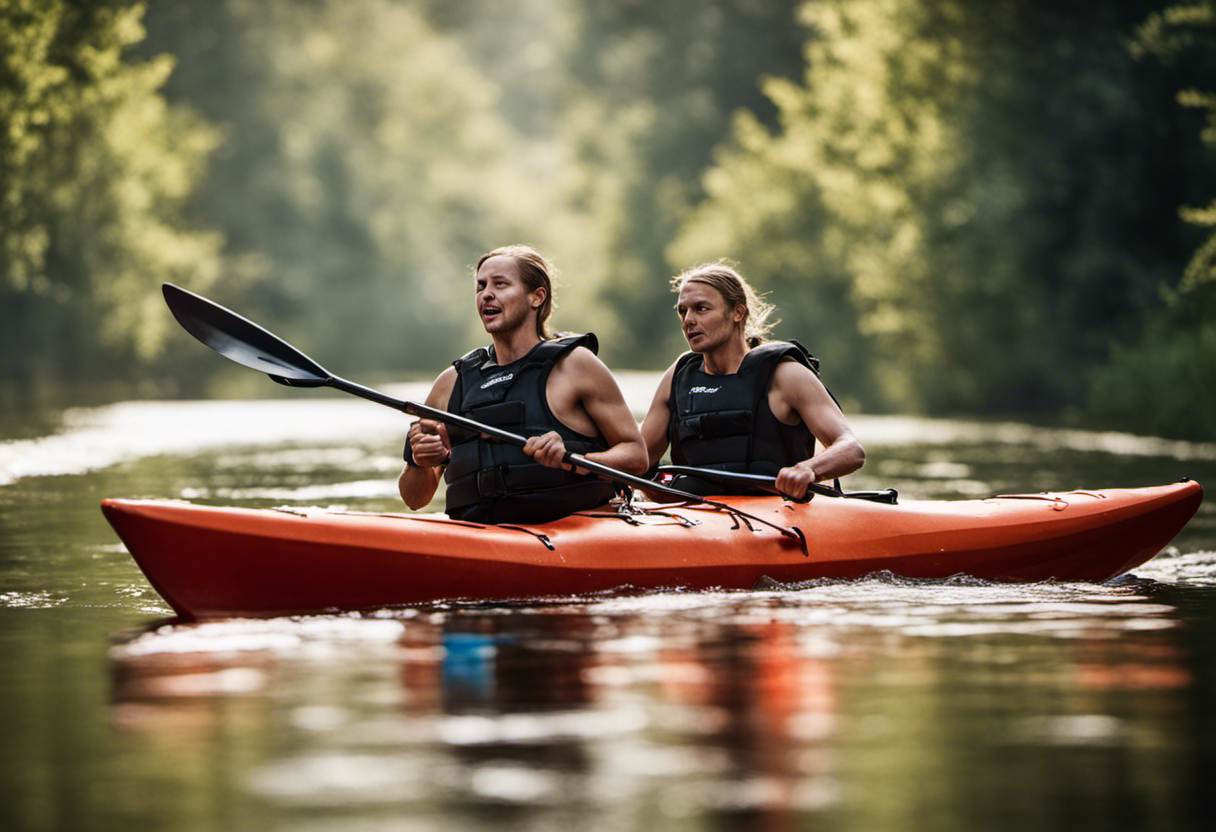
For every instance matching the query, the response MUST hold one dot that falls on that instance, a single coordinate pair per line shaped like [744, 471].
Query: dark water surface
[875, 704]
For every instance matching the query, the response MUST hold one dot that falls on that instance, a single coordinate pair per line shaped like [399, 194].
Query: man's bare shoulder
[441, 389]
[790, 369]
[664, 388]
[795, 380]
[581, 360]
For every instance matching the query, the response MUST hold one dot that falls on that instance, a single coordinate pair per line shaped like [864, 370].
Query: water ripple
[31, 600]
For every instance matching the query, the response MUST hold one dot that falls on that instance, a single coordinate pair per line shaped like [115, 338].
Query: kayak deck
[216, 562]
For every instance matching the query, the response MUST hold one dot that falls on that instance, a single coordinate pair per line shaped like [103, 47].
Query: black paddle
[769, 484]
[241, 340]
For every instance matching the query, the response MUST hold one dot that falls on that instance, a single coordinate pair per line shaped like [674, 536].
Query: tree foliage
[1166, 381]
[985, 208]
[94, 169]
[364, 165]
[969, 186]
[658, 84]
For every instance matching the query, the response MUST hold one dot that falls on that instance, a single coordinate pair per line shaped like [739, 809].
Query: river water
[873, 704]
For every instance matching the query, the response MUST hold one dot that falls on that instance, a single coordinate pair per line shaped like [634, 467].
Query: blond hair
[736, 291]
[536, 272]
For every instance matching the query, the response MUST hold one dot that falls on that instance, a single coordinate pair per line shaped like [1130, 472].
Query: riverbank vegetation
[994, 208]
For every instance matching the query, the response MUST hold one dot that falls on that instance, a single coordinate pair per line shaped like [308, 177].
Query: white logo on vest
[497, 380]
[705, 390]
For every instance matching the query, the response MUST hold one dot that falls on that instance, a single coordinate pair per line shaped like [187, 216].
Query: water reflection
[875, 704]
[762, 707]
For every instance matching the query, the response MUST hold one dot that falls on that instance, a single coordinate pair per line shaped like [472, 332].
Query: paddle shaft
[759, 481]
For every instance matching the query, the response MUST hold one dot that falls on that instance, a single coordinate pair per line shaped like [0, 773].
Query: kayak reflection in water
[739, 402]
[551, 389]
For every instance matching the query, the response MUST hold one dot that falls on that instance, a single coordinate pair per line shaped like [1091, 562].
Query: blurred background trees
[1164, 381]
[998, 208]
[94, 172]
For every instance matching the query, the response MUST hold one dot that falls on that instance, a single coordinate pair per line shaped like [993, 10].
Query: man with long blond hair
[552, 389]
[739, 402]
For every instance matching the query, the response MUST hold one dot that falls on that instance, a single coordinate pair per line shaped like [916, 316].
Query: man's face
[503, 301]
[706, 321]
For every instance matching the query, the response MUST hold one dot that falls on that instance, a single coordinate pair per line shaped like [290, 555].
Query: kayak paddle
[768, 484]
[241, 340]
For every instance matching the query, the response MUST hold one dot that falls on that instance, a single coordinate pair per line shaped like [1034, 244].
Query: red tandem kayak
[210, 562]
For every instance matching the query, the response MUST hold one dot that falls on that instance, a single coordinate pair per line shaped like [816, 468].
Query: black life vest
[493, 482]
[724, 421]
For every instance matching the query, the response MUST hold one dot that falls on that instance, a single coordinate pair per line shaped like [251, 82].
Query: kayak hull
[209, 562]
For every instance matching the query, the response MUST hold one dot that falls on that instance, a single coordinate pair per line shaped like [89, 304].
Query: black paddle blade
[241, 340]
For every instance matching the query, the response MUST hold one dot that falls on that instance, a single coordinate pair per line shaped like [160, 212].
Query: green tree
[1166, 381]
[661, 83]
[94, 169]
[983, 192]
[626, 100]
[364, 165]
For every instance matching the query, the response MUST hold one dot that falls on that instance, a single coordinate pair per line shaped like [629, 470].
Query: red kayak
[212, 562]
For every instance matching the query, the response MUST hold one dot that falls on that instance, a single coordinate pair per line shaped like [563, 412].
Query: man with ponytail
[739, 402]
[549, 388]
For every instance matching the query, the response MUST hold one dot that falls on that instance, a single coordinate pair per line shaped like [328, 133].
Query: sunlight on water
[360, 489]
[308, 637]
[902, 430]
[30, 600]
[1192, 569]
[919, 608]
[1083, 730]
[96, 438]
[829, 609]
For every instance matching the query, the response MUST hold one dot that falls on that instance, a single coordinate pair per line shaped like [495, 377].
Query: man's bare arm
[841, 453]
[658, 417]
[429, 444]
[600, 397]
[604, 402]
